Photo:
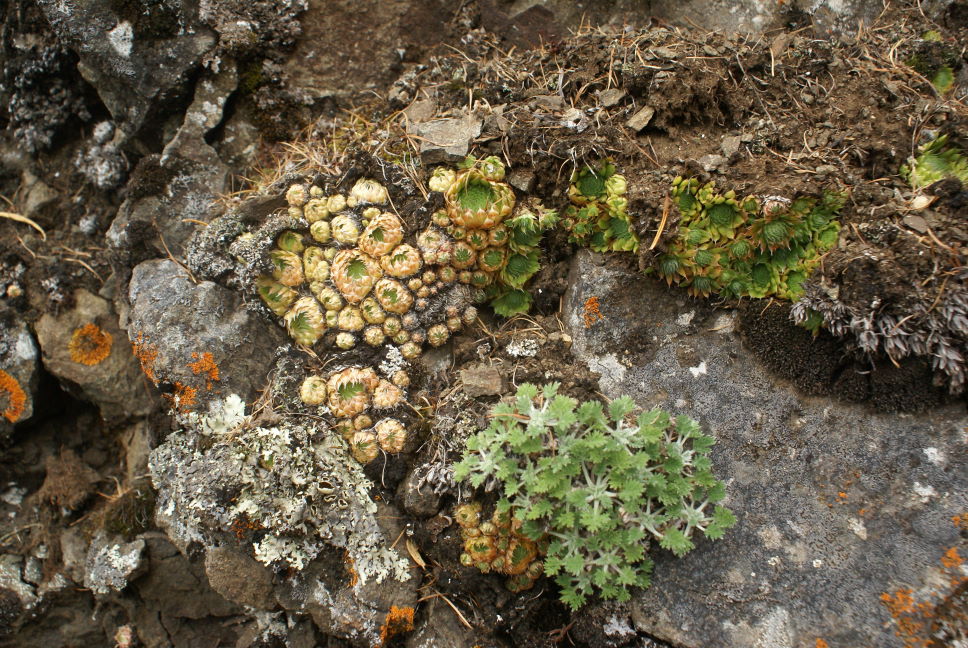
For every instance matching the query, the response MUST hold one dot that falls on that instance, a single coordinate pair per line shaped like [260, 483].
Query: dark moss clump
[130, 513]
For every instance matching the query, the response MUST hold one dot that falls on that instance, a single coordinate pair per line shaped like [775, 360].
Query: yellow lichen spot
[398, 621]
[146, 354]
[90, 345]
[13, 394]
[205, 365]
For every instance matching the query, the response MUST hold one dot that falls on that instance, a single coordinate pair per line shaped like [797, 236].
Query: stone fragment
[239, 578]
[198, 340]
[712, 162]
[917, 223]
[730, 145]
[641, 119]
[549, 102]
[421, 502]
[421, 110]
[446, 140]
[112, 563]
[521, 179]
[19, 371]
[90, 354]
[611, 97]
[482, 380]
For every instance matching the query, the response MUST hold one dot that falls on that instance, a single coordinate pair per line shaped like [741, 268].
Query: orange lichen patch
[821, 644]
[961, 521]
[916, 620]
[184, 398]
[842, 496]
[146, 354]
[910, 617]
[205, 365]
[351, 569]
[591, 312]
[90, 345]
[242, 526]
[398, 621]
[13, 395]
[951, 559]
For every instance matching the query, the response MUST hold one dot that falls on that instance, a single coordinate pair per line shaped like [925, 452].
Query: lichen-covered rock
[173, 193]
[185, 334]
[285, 493]
[19, 375]
[85, 348]
[839, 508]
[366, 612]
[131, 53]
[45, 94]
[111, 564]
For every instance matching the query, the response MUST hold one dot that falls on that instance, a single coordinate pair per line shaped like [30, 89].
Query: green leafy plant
[936, 161]
[598, 214]
[747, 247]
[522, 235]
[600, 487]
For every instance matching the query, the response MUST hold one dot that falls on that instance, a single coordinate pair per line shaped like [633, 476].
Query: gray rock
[175, 587]
[611, 97]
[137, 443]
[19, 372]
[239, 578]
[712, 162]
[837, 505]
[11, 580]
[446, 140]
[131, 60]
[442, 628]
[95, 361]
[39, 195]
[421, 110]
[204, 114]
[730, 145]
[641, 119]
[112, 563]
[189, 176]
[482, 380]
[421, 502]
[198, 336]
[521, 179]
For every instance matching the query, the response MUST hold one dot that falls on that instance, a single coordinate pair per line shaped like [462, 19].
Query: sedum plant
[598, 486]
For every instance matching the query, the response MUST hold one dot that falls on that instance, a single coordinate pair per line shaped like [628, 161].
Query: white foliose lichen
[295, 484]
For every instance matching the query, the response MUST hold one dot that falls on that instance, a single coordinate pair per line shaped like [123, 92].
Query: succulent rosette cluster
[497, 545]
[487, 236]
[598, 214]
[747, 247]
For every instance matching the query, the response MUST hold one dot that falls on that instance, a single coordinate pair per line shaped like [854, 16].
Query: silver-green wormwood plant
[602, 489]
